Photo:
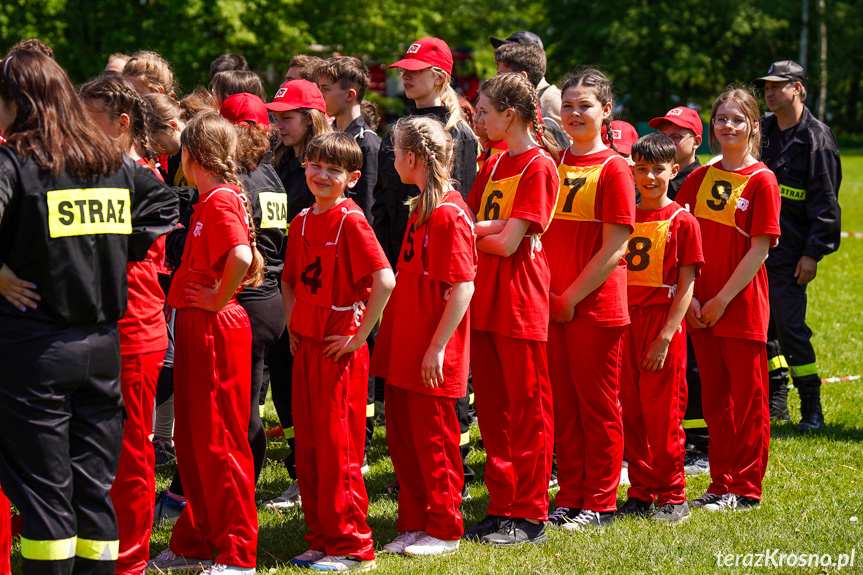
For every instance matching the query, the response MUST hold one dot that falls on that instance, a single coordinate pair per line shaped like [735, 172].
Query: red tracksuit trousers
[653, 404]
[513, 404]
[585, 363]
[133, 492]
[212, 402]
[734, 382]
[423, 439]
[5, 535]
[328, 401]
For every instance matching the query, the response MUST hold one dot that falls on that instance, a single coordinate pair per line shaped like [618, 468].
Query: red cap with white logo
[680, 116]
[426, 53]
[297, 95]
[624, 136]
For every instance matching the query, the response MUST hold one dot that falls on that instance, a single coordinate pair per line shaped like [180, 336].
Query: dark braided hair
[600, 85]
[117, 96]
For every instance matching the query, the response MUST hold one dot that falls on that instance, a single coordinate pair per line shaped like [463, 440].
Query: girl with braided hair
[586, 241]
[213, 361]
[513, 198]
[422, 351]
[125, 117]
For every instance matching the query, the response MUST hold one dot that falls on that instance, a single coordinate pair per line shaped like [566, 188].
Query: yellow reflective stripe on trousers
[370, 410]
[50, 550]
[465, 438]
[97, 550]
[777, 362]
[693, 423]
[470, 401]
[289, 432]
[803, 370]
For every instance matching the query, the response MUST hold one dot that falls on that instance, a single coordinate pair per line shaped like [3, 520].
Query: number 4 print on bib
[718, 197]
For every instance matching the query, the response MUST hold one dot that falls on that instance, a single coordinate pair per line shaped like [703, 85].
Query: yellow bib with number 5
[718, 196]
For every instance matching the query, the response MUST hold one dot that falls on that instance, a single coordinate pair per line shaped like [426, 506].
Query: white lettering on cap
[616, 134]
[280, 93]
[675, 112]
[414, 49]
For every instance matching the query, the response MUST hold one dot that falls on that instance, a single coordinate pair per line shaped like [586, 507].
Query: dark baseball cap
[518, 38]
[782, 72]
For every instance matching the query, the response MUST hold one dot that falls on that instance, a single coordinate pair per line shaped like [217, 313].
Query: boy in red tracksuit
[663, 257]
[333, 265]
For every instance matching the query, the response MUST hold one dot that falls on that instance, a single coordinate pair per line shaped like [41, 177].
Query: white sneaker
[428, 545]
[220, 569]
[401, 541]
[341, 563]
[307, 558]
[168, 561]
[288, 498]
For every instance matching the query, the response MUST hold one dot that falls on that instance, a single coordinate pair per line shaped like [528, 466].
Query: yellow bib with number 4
[89, 212]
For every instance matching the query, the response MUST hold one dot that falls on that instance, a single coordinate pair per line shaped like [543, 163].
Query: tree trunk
[804, 35]
[822, 98]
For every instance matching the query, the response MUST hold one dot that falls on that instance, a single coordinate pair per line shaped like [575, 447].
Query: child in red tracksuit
[736, 202]
[212, 362]
[122, 114]
[333, 265]
[423, 350]
[663, 257]
[513, 198]
[585, 244]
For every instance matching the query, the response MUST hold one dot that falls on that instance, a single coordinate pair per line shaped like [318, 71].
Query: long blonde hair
[211, 141]
[449, 99]
[742, 96]
[432, 145]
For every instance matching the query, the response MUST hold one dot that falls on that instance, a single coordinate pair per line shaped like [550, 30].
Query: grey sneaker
[733, 502]
[168, 561]
[695, 463]
[635, 507]
[672, 512]
[562, 515]
[705, 499]
[588, 519]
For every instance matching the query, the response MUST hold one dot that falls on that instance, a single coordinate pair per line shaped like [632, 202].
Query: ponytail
[116, 97]
[431, 144]
[449, 99]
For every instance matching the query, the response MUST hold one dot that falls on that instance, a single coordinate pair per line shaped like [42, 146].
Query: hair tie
[6, 63]
[431, 157]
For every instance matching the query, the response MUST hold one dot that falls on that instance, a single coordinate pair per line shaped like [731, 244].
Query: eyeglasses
[677, 138]
[722, 121]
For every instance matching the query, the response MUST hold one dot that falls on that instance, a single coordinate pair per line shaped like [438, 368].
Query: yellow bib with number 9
[577, 198]
[718, 196]
[274, 210]
[645, 253]
[89, 212]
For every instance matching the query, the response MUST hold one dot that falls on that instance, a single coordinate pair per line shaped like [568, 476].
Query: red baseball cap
[296, 95]
[680, 116]
[244, 108]
[425, 53]
[624, 136]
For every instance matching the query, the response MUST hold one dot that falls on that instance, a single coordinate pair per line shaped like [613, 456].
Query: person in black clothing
[73, 212]
[683, 125]
[802, 152]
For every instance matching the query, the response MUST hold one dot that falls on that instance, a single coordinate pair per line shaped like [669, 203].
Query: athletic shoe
[391, 490]
[490, 524]
[624, 474]
[167, 509]
[288, 498]
[672, 512]
[275, 433]
[515, 532]
[402, 540]
[168, 561]
[164, 449]
[695, 463]
[307, 558]
[552, 482]
[634, 507]
[734, 502]
[588, 518]
[428, 545]
[705, 499]
[341, 563]
[562, 515]
[465, 494]
[365, 466]
[221, 569]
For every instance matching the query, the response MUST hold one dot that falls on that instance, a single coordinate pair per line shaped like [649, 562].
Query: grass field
[812, 490]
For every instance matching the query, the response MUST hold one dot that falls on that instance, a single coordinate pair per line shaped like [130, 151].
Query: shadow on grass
[835, 432]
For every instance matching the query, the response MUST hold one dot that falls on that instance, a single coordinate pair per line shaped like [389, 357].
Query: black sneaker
[672, 512]
[164, 450]
[635, 507]
[587, 519]
[733, 502]
[515, 532]
[562, 515]
[391, 490]
[705, 499]
[490, 524]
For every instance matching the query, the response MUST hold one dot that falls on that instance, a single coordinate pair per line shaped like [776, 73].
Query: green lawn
[812, 490]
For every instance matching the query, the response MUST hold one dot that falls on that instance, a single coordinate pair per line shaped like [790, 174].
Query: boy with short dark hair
[333, 264]
[663, 258]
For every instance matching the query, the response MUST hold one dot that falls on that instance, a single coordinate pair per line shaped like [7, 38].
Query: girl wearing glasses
[736, 202]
